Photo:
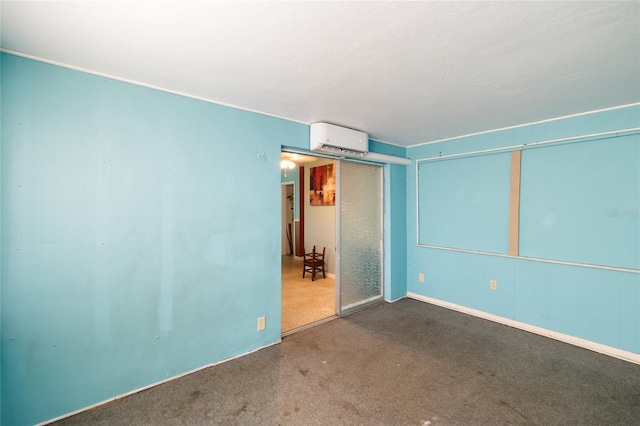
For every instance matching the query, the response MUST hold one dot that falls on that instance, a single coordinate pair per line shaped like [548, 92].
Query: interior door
[359, 224]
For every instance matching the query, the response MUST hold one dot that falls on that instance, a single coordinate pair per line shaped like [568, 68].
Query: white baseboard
[115, 398]
[576, 341]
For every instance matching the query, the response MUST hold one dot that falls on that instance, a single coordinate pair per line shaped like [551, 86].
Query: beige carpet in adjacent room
[304, 301]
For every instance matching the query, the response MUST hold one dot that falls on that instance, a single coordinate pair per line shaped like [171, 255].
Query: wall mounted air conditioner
[344, 142]
[338, 140]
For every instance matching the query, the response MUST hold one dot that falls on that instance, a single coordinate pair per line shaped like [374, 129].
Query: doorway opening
[306, 222]
[338, 211]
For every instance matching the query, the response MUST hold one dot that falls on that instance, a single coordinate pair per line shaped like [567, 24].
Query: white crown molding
[524, 125]
[139, 83]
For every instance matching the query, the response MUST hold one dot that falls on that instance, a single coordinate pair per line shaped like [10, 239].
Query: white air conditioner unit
[343, 142]
[338, 140]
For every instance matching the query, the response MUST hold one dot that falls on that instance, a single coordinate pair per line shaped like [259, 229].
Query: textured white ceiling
[405, 72]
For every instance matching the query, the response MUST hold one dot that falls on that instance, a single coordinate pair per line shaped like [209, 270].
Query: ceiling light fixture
[287, 165]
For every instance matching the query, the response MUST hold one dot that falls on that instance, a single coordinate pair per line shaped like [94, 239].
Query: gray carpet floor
[406, 363]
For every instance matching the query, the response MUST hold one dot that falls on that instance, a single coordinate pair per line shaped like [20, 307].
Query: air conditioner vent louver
[341, 151]
[330, 148]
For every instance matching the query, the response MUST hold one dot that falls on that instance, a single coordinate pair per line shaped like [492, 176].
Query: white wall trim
[115, 398]
[573, 139]
[162, 89]
[395, 300]
[526, 124]
[139, 83]
[212, 101]
[388, 143]
[534, 259]
[283, 215]
[572, 340]
[522, 146]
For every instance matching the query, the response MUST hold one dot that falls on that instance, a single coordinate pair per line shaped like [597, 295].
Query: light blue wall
[395, 193]
[140, 236]
[462, 209]
[593, 219]
[395, 232]
[595, 304]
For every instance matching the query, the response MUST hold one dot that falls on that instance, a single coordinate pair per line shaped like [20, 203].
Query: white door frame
[283, 221]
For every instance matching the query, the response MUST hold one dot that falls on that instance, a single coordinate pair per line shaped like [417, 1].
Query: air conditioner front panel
[339, 140]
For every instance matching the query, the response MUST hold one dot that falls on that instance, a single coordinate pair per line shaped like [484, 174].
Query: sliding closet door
[359, 228]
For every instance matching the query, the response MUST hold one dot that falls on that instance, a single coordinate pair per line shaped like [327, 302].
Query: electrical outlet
[493, 284]
[261, 323]
[421, 277]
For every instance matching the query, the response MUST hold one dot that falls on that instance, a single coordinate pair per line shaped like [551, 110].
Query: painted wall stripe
[514, 204]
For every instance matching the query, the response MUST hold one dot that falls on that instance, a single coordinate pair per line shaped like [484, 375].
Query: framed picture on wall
[322, 186]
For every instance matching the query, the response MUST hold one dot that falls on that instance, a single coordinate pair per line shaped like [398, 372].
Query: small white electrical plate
[421, 277]
[493, 284]
[261, 323]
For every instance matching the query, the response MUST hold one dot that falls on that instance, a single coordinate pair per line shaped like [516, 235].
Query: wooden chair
[313, 263]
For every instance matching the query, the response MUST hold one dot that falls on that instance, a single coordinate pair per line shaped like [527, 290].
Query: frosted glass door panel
[360, 235]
